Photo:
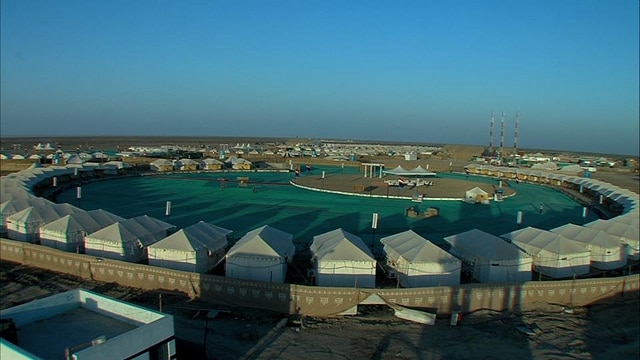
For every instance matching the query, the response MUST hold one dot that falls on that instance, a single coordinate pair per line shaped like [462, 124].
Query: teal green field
[269, 199]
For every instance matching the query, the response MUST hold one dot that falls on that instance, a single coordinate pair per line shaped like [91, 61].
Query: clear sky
[425, 71]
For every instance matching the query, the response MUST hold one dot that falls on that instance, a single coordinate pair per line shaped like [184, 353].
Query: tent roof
[13, 206]
[104, 217]
[89, 221]
[118, 232]
[629, 219]
[265, 240]
[160, 162]
[43, 213]
[339, 244]
[571, 169]
[397, 170]
[73, 223]
[615, 228]
[587, 235]
[545, 166]
[75, 159]
[188, 162]
[415, 249]
[142, 228]
[211, 161]
[479, 243]
[195, 237]
[533, 241]
[152, 224]
[476, 191]
[419, 170]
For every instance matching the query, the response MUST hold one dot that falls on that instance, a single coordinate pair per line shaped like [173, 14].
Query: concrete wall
[321, 301]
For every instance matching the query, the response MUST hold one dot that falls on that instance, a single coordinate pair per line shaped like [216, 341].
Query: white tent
[492, 259]
[342, 259]
[187, 164]
[548, 166]
[262, 254]
[114, 167]
[398, 170]
[196, 248]
[25, 224]
[103, 217]
[628, 234]
[420, 171]
[161, 165]
[607, 251]
[211, 164]
[476, 195]
[629, 219]
[128, 239]
[75, 159]
[14, 205]
[160, 229]
[237, 163]
[420, 263]
[13, 188]
[553, 255]
[67, 233]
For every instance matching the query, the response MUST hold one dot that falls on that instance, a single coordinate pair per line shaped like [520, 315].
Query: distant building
[411, 156]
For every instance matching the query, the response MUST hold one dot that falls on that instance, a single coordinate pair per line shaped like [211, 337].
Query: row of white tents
[338, 257]
[232, 162]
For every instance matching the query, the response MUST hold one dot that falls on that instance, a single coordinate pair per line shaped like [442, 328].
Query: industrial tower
[502, 136]
[515, 137]
[491, 133]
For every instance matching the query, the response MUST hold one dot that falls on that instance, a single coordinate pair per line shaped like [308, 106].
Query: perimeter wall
[323, 301]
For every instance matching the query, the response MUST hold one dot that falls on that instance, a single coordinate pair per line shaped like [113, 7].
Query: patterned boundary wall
[323, 301]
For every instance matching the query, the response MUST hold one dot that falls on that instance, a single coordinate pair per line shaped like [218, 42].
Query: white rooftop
[74, 319]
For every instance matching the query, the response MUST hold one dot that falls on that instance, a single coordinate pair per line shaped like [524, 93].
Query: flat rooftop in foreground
[75, 329]
[72, 320]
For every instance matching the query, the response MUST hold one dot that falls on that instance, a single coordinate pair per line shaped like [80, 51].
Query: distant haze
[414, 71]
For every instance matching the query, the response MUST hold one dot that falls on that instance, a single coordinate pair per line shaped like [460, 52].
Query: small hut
[476, 196]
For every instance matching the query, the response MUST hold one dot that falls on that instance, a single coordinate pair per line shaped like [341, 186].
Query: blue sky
[426, 71]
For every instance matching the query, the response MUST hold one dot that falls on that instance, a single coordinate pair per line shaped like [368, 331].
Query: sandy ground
[601, 331]
[587, 333]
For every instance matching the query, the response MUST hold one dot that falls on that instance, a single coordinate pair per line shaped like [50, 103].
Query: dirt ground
[601, 331]
[587, 333]
[441, 188]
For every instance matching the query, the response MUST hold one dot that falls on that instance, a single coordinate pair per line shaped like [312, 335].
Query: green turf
[269, 200]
